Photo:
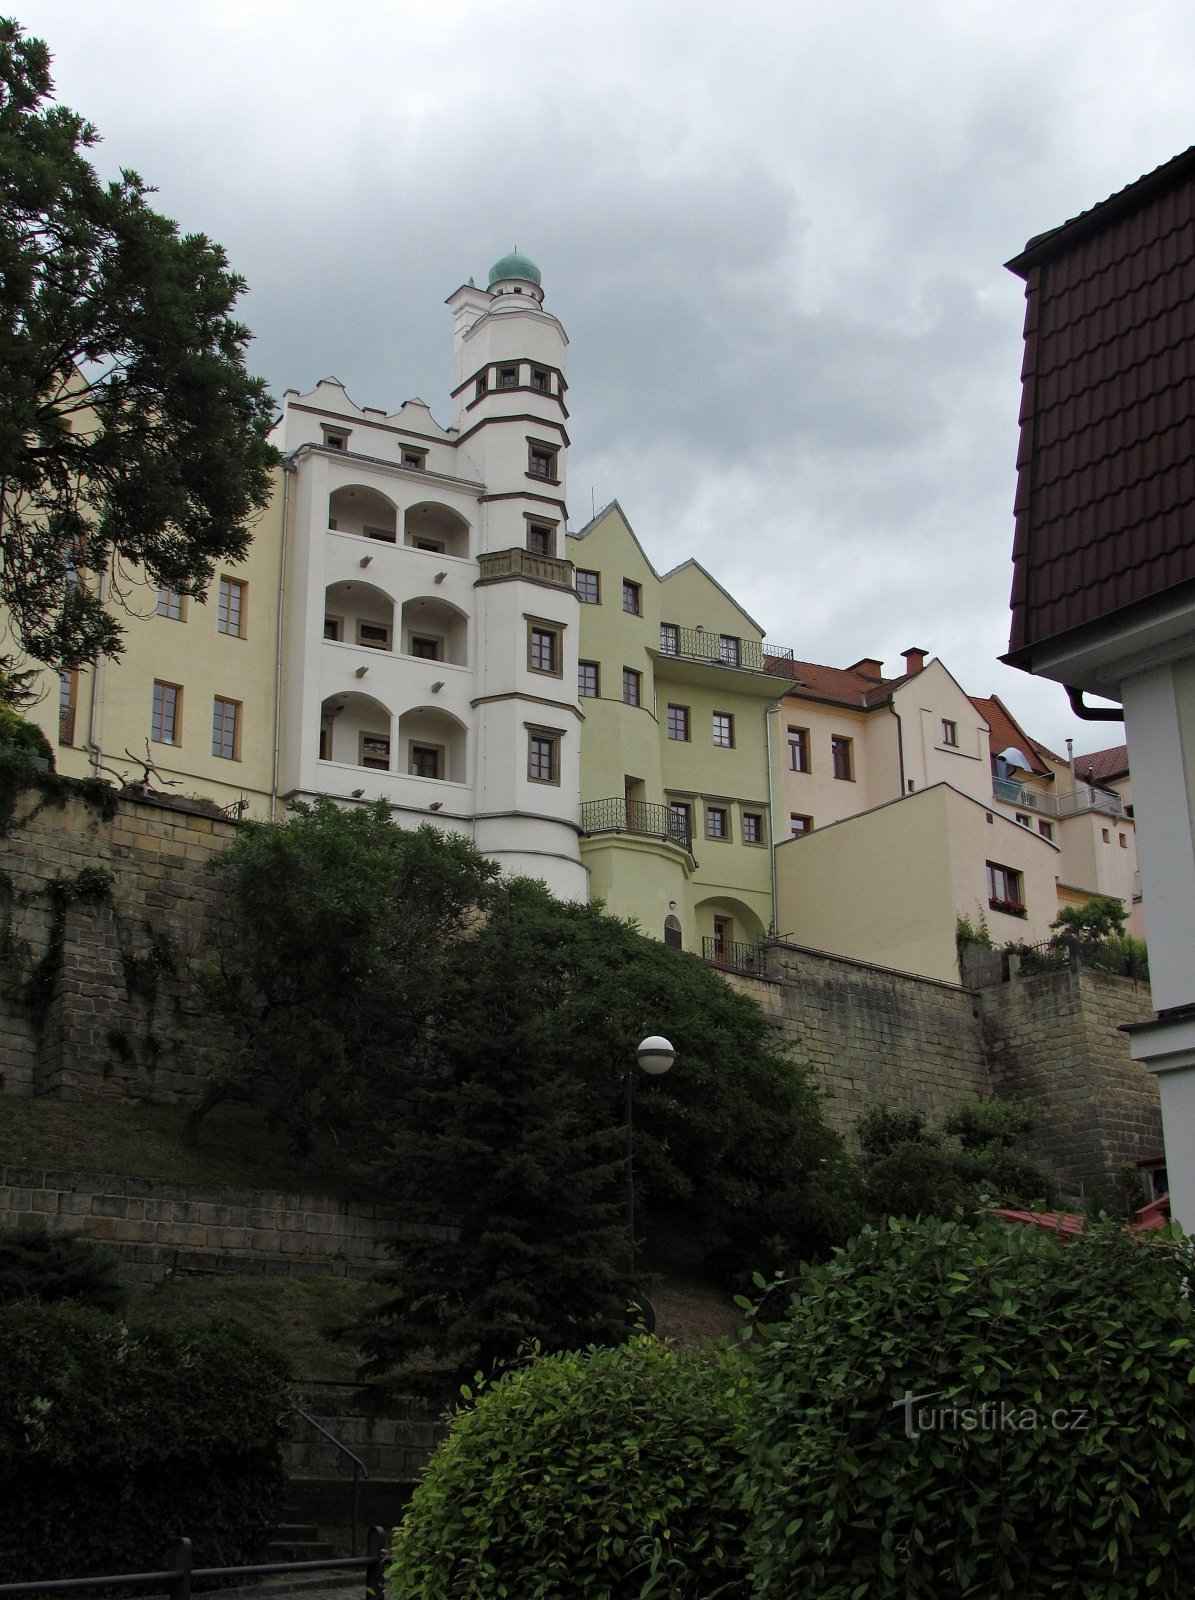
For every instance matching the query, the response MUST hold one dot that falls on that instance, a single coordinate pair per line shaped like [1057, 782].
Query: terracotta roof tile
[1004, 730]
[1103, 765]
[1105, 495]
[845, 686]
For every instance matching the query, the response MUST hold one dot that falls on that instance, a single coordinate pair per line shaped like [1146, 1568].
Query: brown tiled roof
[1106, 467]
[1103, 765]
[844, 686]
[1004, 730]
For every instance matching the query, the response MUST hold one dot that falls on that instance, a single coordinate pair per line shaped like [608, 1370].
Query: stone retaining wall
[158, 1226]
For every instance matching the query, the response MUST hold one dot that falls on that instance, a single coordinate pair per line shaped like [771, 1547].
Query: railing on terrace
[1085, 798]
[178, 1579]
[520, 563]
[733, 954]
[617, 815]
[1104, 955]
[723, 649]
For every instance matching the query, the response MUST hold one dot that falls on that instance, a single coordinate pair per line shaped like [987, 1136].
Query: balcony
[1085, 798]
[733, 954]
[636, 816]
[520, 563]
[724, 650]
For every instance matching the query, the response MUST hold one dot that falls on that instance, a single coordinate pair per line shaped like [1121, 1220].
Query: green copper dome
[514, 266]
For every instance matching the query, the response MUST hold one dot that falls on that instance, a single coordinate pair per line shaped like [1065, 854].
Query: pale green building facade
[679, 770]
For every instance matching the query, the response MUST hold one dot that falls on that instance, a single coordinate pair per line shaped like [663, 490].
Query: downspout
[97, 677]
[288, 468]
[1087, 713]
[900, 744]
[772, 711]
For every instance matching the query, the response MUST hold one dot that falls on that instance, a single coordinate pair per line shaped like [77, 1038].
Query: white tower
[509, 418]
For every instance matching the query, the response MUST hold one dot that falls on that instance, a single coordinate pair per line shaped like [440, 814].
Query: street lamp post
[655, 1056]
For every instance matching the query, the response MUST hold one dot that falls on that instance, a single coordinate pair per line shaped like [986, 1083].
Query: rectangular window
[426, 648]
[1023, 820]
[68, 699]
[669, 639]
[798, 749]
[541, 462]
[425, 761]
[543, 649]
[325, 741]
[678, 723]
[170, 603]
[589, 588]
[230, 613]
[798, 825]
[374, 751]
[752, 827]
[723, 938]
[543, 758]
[414, 460]
[680, 822]
[333, 628]
[632, 683]
[843, 756]
[588, 678]
[166, 727]
[540, 538]
[374, 635]
[482, 386]
[632, 598]
[1046, 829]
[724, 730]
[508, 377]
[541, 380]
[1122, 841]
[226, 729]
[336, 439]
[382, 535]
[436, 546]
[717, 822]
[949, 733]
[1106, 836]
[1005, 889]
[728, 650]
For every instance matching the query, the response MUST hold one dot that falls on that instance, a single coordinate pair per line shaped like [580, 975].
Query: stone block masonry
[118, 1010]
[158, 1227]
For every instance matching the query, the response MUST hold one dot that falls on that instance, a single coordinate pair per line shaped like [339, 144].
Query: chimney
[914, 660]
[869, 667]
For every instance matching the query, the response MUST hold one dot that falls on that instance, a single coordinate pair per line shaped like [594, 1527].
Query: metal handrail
[180, 1577]
[652, 821]
[360, 1470]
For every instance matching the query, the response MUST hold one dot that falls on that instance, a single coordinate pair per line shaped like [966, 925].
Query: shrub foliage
[603, 1475]
[116, 1442]
[37, 1265]
[1052, 1416]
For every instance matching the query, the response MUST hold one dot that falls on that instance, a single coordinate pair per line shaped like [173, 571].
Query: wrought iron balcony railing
[617, 815]
[734, 954]
[520, 563]
[724, 649]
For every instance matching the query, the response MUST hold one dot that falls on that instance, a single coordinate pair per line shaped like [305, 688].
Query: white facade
[428, 623]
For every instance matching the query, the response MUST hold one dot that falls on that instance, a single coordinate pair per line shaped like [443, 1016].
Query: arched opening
[431, 744]
[431, 526]
[730, 933]
[355, 731]
[672, 933]
[358, 613]
[434, 630]
[355, 508]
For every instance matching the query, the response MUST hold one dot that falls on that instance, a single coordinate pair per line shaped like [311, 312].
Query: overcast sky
[774, 234]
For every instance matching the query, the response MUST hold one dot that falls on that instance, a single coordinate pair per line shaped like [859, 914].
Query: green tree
[602, 1475]
[978, 1411]
[130, 432]
[507, 1166]
[37, 1265]
[1100, 918]
[332, 968]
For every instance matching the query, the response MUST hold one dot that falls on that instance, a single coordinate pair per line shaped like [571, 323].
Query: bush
[975, 1412]
[36, 1265]
[115, 1442]
[607, 1474]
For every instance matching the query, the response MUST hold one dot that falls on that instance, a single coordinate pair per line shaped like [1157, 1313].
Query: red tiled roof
[1102, 765]
[845, 686]
[1004, 730]
[1106, 466]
